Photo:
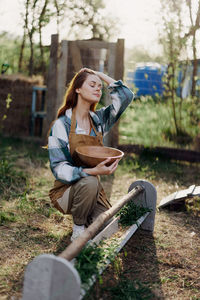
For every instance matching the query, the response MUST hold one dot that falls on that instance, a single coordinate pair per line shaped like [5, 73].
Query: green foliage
[151, 167]
[8, 100]
[92, 258]
[130, 213]
[127, 289]
[11, 181]
[87, 262]
[6, 217]
[9, 53]
[152, 124]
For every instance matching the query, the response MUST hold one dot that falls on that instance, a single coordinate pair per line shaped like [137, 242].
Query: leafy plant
[129, 290]
[10, 180]
[87, 262]
[92, 258]
[130, 213]
[6, 217]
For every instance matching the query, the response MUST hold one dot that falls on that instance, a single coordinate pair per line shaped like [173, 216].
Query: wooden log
[85, 44]
[62, 73]
[118, 74]
[51, 85]
[76, 56]
[109, 140]
[119, 60]
[75, 247]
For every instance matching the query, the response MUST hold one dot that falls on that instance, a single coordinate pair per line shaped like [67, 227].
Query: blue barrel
[147, 79]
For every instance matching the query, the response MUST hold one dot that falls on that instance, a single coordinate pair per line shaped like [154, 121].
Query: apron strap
[92, 127]
[73, 121]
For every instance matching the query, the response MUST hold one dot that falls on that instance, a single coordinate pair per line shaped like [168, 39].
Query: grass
[30, 226]
[127, 289]
[152, 124]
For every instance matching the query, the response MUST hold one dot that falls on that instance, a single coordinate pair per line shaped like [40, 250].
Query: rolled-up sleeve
[121, 97]
[61, 163]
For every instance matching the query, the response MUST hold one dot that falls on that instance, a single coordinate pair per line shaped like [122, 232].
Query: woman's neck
[82, 110]
[82, 117]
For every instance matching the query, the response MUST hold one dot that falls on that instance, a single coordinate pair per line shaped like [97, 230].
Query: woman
[77, 189]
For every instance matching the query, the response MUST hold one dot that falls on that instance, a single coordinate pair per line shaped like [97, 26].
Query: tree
[180, 25]
[88, 20]
[194, 27]
[85, 19]
[174, 44]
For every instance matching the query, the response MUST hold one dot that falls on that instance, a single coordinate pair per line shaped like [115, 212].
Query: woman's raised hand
[101, 75]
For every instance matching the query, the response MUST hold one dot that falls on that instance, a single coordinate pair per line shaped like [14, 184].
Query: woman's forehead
[93, 78]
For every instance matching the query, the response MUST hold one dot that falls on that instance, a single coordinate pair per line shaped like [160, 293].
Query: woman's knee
[90, 184]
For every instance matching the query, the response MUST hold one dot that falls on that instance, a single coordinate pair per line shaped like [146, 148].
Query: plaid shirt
[61, 162]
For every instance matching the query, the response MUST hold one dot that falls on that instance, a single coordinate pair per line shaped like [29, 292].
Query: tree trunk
[195, 65]
[31, 55]
[21, 53]
[24, 37]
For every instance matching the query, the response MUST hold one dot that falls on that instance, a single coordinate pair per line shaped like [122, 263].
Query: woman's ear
[77, 91]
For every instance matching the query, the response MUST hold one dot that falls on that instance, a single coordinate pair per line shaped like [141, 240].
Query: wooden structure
[180, 196]
[15, 104]
[37, 113]
[67, 58]
[49, 277]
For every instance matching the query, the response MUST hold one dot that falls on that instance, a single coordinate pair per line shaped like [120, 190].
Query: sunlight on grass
[148, 123]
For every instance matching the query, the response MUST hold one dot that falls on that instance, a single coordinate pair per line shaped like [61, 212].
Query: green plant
[129, 290]
[130, 213]
[6, 217]
[92, 258]
[87, 262]
[11, 181]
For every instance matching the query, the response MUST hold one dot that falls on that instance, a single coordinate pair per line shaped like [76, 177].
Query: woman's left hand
[102, 168]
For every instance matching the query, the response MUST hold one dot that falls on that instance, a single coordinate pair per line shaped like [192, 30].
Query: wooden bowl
[93, 155]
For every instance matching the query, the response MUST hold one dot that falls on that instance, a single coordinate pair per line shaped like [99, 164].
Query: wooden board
[178, 196]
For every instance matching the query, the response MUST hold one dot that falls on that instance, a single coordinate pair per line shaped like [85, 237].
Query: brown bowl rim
[116, 156]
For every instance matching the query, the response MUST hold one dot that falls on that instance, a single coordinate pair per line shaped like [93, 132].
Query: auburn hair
[71, 97]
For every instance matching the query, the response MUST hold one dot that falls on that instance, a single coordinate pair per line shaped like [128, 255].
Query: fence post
[62, 73]
[51, 85]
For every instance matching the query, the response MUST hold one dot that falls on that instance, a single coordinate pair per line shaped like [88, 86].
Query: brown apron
[76, 140]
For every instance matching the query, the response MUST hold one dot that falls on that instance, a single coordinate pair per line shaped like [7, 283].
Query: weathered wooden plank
[51, 85]
[110, 138]
[179, 196]
[76, 55]
[119, 60]
[196, 191]
[62, 73]
[85, 44]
